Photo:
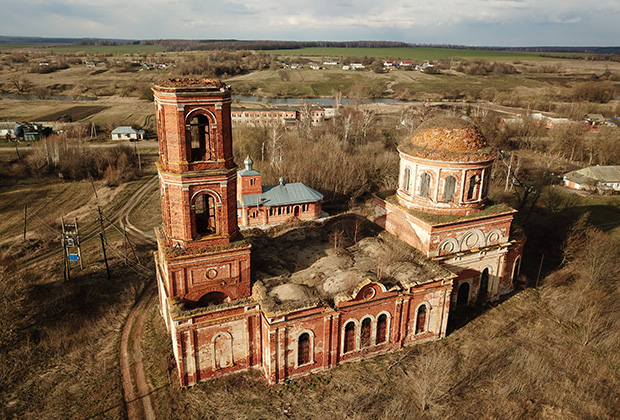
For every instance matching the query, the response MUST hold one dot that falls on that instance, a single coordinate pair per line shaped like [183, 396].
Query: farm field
[419, 54]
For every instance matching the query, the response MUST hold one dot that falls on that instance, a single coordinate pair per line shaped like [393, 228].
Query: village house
[271, 204]
[127, 133]
[603, 179]
[292, 314]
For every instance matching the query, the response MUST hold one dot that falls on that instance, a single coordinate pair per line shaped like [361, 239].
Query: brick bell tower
[202, 258]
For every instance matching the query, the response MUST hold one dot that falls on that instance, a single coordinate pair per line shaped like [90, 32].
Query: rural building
[127, 133]
[441, 208]
[604, 179]
[271, 204]
[6, 129]
[594, 120]
[330, 305]
[289, 116]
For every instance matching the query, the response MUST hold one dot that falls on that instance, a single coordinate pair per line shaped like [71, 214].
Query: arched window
[199, 138]
[382, 329]
[349, 337]
[462, 297]
[448, 188]
[484, 285]
[420, 325]
[365, 333]
[303, 349]
[204, 208]
[222, 351]
[406, 179]
[425, 184]
[473, 180]
[251, 181]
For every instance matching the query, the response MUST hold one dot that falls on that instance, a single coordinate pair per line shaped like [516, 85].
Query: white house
[127, 133]
[605, 179]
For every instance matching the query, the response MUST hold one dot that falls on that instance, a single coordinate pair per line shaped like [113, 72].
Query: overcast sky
[462, 22]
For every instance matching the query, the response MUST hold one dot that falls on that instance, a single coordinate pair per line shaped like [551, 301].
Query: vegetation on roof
[493, 209]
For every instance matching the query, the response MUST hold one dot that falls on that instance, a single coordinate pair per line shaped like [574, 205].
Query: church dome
[449, 139]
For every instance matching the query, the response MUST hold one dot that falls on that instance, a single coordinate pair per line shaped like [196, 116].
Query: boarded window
[420, 326]
[406, 179]
[205, 214]
[222, 352]
[349, 337]
[303, 349]
[365, 333]
[382, 329]
[448, 188]
[425, 183]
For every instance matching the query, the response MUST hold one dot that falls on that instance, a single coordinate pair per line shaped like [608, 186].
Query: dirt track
[135, 386]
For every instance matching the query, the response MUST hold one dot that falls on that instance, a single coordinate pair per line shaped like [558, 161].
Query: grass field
[419, 54]
[88, 49]
[399, 84]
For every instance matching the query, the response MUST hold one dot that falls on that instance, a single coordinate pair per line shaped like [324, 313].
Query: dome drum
[445, 169]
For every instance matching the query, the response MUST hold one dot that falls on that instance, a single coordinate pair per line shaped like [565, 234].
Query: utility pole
[139, 158]
[93, 130]
[105, 258]
[100, 217]
[71, 241]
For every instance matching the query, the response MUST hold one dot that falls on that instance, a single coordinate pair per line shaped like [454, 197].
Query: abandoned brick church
[223, 318]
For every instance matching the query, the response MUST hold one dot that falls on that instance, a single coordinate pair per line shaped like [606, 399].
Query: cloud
[469, 22]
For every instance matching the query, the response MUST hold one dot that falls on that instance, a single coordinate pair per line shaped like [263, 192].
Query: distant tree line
[201, 45]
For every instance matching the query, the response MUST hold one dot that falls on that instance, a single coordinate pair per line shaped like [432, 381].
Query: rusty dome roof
[448, 138]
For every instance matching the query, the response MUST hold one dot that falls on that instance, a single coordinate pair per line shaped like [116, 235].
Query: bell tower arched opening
[204, 212]
[198, 133]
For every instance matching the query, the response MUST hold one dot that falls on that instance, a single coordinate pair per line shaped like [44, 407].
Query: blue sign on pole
[74, 257]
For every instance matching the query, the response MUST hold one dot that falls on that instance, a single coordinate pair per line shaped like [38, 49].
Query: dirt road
[135, 386]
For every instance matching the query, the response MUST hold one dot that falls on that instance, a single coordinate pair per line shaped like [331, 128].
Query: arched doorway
[516, 268]
[484, 285]
[462, 297]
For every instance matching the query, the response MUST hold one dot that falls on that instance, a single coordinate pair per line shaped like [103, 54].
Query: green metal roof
[282, 195]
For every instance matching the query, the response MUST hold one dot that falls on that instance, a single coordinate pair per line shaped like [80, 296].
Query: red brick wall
[262, 215]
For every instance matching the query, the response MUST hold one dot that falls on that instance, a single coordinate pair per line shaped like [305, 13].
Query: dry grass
[549, 353]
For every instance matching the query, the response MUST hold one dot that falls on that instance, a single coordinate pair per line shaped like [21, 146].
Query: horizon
[29, 39]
